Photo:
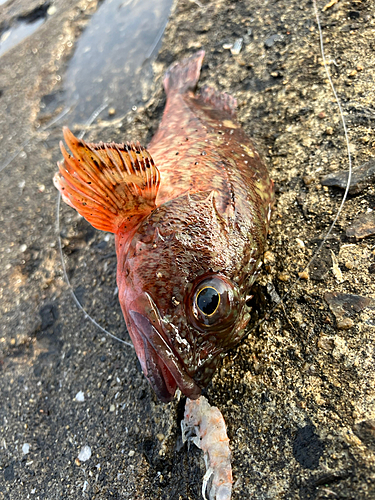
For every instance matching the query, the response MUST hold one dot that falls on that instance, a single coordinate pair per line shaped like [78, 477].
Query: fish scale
[190, 213]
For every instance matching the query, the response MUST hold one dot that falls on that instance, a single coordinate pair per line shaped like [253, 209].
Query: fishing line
[313, 258]
[156, 42]
[89, 122]
[92, 118]
[26, 142]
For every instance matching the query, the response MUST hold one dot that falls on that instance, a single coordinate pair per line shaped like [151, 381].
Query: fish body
[191, 217]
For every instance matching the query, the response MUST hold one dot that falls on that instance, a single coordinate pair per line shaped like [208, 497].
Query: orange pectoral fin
[112, 185]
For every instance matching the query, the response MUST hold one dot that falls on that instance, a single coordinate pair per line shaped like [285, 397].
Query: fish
[190, 216]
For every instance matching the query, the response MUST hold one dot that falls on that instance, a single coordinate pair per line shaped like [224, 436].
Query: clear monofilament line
[66, 278]
[325, 238]
[26, 142]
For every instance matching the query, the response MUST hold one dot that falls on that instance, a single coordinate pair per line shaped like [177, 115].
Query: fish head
[183, 291]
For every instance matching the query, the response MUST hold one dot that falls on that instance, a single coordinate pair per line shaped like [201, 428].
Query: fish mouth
[160, 364]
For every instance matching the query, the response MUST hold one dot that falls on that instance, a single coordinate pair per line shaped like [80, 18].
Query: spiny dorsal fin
[219, 100]
[113, 186]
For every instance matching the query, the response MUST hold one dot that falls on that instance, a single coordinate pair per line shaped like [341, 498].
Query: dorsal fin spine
[114, 186]
[88, 181]
[90, 172]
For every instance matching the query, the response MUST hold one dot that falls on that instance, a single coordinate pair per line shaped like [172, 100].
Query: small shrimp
[204, 425]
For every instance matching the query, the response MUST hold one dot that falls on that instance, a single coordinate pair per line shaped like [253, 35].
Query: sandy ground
[298, 394]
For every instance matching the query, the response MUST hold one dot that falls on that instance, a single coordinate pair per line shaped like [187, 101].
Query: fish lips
[164, 369]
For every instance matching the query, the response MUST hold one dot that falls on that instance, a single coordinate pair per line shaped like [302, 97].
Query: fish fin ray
[219, 100]
[113, 186]
[183, 75]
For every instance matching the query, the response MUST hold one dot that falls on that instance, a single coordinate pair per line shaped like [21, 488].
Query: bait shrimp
[204, 425]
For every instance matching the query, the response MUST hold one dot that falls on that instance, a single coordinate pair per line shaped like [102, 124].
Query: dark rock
[362, 176]
[344, 304]
[80, 294]
[9, 472]
[354, 14]
[35, 13]
[365, 430]
[360, 115]
[49, 315]
[307, 447]
[331, 478]
[362, 227]
[272, 40]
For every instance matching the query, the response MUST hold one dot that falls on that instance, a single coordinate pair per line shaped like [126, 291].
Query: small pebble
[25, 448]
[362, 176]
[272, 40]
[84, 454]
[131, 453]
[51, 10]
[23, 248]
[325, 343]
[112, 408]
[344, 305]
[362, 227]
[227, 46]
[304, 275]
[308, 179]
[283, 277]
[345, 324]
[80, 397]
[111, 111]
[300, 243]
[237, 46]
[268, 257]
[336, 269]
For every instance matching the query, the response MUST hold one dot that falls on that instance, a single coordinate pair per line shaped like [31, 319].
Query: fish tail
[183, 75]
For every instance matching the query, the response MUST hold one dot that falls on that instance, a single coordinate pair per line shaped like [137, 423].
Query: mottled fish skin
[188, 249]
[214, 206]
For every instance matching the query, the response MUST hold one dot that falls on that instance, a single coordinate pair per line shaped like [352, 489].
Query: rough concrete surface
[298, 394]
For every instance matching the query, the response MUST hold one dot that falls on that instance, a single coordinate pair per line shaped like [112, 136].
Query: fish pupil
[208, 300]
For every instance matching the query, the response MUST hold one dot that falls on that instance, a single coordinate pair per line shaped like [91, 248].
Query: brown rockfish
[190, 215]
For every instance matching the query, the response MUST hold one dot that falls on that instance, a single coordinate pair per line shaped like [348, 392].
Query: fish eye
[213, 303]
[208, 300]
